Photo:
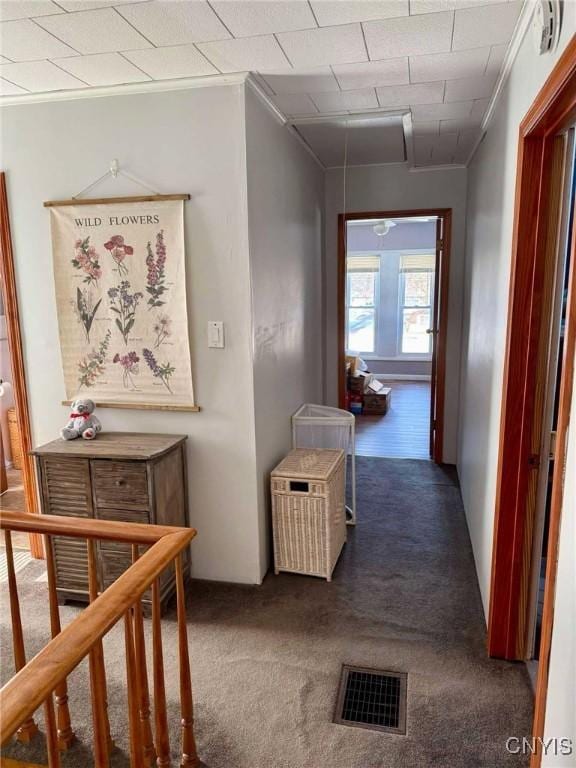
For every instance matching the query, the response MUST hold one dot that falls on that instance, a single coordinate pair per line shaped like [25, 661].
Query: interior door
[435, 449]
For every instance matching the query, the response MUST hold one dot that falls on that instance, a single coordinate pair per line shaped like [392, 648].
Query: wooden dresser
[127, 476]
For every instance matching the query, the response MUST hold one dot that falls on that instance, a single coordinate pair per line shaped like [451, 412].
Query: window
[415, 308]
[362, 291]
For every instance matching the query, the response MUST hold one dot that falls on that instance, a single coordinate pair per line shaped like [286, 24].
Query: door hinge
[534, 461]
[553, 437]
[439, 245]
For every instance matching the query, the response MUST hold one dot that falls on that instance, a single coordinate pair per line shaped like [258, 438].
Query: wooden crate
[377, 403]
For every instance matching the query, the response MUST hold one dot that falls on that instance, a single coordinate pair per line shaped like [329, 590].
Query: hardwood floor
[13, 500]
[404, 432]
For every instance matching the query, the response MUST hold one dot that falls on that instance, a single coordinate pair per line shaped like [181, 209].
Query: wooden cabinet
[132, 477]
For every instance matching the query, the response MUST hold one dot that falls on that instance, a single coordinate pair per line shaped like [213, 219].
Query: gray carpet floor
[266, 660]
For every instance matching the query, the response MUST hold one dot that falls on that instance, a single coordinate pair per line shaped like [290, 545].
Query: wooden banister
[36, 681]
[84, 528]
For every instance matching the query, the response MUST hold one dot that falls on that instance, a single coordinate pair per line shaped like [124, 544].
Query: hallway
[266, 660]
[404, 432]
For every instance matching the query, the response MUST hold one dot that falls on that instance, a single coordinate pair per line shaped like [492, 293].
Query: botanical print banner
[121, 295]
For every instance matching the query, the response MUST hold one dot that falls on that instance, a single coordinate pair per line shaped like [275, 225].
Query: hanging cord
[345, 169]
[114, 171]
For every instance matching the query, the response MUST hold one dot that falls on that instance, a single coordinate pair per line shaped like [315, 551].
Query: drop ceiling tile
[262, 17]
[171, 62]
[333, 12]
[372, 73]
[426, 93]
[9, 89]
[343, 100]
[462, 124]
[454, 111]
[313, 80]
[249, 53]
[470, 88]
[295, 104]
[329, 45]
[37, 76]
[100, 31]
[24, 41]
[429, 33]
[426, 128]
[485, 25]
[4, 60]
[25, 9]
[496, 59]
[102, 69]
[175, 22]
[89, 5]
[433, 6]
[422, 150]
[448, 66]
[479, 108]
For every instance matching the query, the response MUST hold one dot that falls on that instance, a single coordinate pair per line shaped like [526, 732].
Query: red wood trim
[440, 340]
[528, 256]
[8, 286]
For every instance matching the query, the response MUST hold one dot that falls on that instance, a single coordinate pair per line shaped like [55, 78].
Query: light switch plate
[216, 334]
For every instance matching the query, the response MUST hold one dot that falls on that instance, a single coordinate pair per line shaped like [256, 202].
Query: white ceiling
[438, 59]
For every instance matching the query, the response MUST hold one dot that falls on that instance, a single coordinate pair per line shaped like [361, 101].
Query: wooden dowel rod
[160, 714]
[189, 753]
[51, 734]
[142, 678]
[136, 747]
[100, 720]
[109, 200]
[28, 728]
[64, 728]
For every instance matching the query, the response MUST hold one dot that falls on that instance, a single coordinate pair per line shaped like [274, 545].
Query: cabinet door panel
[120, 484]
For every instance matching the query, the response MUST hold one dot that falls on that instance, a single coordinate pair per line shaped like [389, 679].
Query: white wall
[285, 208]
[491, 187]
[181, 141]
[387, 188]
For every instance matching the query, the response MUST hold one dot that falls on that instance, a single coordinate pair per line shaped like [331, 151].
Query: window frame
[402, 306]
[347, 307]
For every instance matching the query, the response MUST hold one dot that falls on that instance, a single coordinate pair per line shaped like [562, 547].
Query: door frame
[553, 110]
[439, 343]
[10, 296]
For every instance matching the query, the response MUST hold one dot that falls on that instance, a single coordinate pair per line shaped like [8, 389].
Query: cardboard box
[377, 403]
[359, 384]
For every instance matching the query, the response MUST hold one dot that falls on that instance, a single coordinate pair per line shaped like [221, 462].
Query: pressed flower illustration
[119, 250]
[155, 279]
[129, 365]
[86, 259]
[92, 366]
[85, 309]
[162, 372]
[162, 329]
[124, 304]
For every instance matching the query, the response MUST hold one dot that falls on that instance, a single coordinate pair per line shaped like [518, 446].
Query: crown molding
[148, 86]
[518, 36]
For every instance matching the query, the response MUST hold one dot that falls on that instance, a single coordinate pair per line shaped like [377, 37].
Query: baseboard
[402, 376]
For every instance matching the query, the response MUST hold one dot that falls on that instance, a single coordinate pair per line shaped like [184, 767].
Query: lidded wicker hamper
[308, 515]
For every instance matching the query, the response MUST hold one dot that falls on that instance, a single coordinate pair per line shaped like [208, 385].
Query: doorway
[17, 479]
[392, 321]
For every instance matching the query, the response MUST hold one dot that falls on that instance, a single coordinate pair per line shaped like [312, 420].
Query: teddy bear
[82, 422]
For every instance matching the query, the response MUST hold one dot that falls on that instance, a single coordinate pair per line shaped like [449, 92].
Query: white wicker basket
[308, 514]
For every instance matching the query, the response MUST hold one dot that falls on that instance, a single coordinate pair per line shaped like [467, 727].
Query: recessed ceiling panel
[378, 140]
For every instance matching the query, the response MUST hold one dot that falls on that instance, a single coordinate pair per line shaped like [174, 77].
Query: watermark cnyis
[529, 745]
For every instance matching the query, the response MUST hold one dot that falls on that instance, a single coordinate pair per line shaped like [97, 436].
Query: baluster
[142, 678]
[160, 714]
[136, 747]
[189, 753]
[28, 729]
[51, 733]
[65, 733]
[102, 740]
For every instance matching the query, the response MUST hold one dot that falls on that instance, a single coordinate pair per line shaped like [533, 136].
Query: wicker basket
[15, 442]
[308, 515]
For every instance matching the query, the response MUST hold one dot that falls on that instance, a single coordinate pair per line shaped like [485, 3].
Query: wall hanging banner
[119, 271]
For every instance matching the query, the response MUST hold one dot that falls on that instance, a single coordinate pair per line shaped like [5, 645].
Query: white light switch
[216, 334]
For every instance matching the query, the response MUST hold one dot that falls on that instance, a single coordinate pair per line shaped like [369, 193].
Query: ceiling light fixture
[383, 227]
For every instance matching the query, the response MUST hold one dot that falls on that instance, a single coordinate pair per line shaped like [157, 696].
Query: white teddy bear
[82, 422]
